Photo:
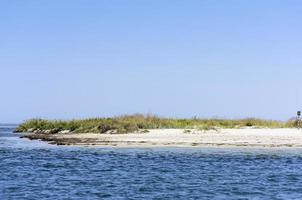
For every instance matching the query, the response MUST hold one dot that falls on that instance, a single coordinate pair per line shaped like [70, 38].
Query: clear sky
[63, 59]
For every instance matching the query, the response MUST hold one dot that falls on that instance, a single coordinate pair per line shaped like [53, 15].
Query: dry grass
[133, 123]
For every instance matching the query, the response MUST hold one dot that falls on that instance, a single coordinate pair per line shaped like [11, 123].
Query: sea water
[37, 170]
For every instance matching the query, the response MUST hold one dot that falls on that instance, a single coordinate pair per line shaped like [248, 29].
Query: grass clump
[187, 131]
[138, 122]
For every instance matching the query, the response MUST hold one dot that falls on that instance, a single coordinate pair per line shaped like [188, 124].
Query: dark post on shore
[298, 119]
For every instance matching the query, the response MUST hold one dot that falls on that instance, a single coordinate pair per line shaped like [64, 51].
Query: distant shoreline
[231, 138]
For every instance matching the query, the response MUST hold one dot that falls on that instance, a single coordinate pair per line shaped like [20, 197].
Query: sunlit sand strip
[179, 138]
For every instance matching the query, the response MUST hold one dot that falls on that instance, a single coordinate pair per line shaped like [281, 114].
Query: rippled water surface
[36, 170]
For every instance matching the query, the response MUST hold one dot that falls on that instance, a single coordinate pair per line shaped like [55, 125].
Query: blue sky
[206, 58]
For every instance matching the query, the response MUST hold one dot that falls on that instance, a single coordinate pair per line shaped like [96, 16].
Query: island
[152, 131]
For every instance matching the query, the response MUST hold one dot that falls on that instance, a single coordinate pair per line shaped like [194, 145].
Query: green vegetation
[135, 123]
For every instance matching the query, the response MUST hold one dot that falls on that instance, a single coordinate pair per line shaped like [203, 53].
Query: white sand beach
[178, 138]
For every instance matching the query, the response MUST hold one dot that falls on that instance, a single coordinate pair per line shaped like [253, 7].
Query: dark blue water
[35, 170]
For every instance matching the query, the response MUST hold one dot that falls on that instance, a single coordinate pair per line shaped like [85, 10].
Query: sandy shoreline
[178, 138]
